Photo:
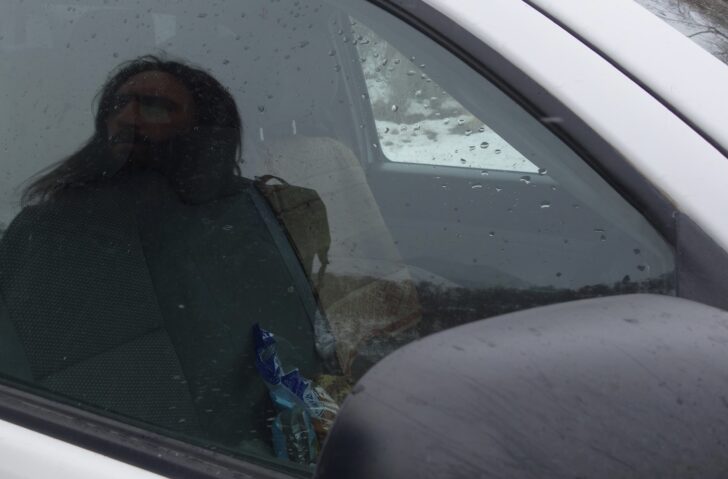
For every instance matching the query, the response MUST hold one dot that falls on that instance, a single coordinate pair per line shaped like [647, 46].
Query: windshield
[704, 21]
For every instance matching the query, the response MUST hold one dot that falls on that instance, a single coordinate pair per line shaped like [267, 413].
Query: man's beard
[137, 152]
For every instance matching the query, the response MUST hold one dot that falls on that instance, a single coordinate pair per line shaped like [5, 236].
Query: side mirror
[626, 386]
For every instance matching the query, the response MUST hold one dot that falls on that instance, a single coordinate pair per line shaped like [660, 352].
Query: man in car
[139, 264]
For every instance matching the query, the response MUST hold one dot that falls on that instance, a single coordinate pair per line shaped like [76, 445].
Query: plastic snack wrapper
[305, 411]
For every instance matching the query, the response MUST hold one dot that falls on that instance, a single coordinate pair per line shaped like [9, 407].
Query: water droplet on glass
[491, 234]
[468, 132]
[484, 172]
[332, 53]
[386, 129]
[225, 62]
[542, 171]
[636, 251]
[497, 152]
[558, 275]
[227, 227]
[477, 186]
[461, 121]
[526, 179]
[484, 145]
[261, 108]
[498, 190]
[410, 73]
[395, 108]
[463, 161]
[337, 68]
[545, 204]
[444, 187]
[641, 267]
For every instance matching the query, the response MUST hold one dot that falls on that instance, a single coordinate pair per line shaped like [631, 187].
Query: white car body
[676, 158]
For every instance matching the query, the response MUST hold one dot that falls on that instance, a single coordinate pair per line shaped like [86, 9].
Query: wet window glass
[217, 217]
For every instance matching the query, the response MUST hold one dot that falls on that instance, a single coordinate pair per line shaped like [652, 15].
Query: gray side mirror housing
[626, 386]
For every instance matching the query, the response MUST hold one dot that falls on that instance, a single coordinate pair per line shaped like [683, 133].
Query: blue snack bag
[294, 437]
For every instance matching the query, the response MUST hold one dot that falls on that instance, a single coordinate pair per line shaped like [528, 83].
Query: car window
[217, 217]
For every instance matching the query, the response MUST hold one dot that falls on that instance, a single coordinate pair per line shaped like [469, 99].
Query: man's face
[149, 109]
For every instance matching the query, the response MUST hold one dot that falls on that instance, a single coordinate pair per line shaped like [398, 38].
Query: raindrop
[491, 234]
[542, 171]
[396, 61]
[526, 179]
[463, 161]
[468, 132]
[641, 267]
[337, 68]
[636, 251]
[410, 73]
[225, 62]
[545, 204]
[477, 186]
[558, 275]
[303, 44]
[461, 121]
[444, 187]
[386, 129]
[603, 238]
[484, 172]
[481, 129]
[332, 53]
[498, 190]
[227, 227]
[484, 145]
[497, 152]
[395, 108]
[261, 108]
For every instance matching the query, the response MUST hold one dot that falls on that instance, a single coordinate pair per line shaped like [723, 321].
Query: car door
[403, 171]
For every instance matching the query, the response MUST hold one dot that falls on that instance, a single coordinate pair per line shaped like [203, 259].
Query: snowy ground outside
[418, 122]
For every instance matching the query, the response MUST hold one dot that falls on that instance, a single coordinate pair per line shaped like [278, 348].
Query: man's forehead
[156, 83]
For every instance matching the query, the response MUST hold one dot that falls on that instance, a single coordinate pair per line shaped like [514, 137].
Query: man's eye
[153, 112]
[119, 103]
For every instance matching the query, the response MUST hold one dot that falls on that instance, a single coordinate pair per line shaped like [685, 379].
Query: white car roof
[656, 55]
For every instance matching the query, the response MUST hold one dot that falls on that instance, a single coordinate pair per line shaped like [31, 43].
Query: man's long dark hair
[214, 108]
